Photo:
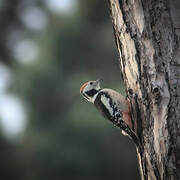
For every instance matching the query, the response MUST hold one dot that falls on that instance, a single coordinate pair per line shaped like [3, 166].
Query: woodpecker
[112, 105]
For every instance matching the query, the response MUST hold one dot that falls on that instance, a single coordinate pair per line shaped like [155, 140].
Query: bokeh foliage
[66, 138]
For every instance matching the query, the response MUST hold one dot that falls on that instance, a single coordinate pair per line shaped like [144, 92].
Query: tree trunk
[147, 38]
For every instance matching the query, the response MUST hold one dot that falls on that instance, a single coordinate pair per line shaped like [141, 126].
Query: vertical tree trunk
[147, 38]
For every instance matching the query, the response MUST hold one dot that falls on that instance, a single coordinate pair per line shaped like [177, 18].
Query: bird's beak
[98, 81]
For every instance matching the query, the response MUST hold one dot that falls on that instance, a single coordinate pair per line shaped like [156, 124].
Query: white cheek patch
[106, 102]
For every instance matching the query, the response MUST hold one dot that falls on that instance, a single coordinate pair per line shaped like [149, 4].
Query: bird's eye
[91, 83]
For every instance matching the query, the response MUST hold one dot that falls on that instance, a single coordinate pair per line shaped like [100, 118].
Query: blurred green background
[48, 49]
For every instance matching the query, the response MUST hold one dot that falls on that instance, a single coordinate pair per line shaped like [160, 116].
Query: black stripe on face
[92, 92]
[85, 96]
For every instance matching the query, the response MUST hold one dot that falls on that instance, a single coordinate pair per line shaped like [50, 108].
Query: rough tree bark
[147, 38]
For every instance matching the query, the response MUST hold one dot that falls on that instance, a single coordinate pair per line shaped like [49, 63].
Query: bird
[112, 105]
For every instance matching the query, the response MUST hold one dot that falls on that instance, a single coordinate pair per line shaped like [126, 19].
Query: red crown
[83, 86]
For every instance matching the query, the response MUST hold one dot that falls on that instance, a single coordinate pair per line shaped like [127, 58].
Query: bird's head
[90, 89]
